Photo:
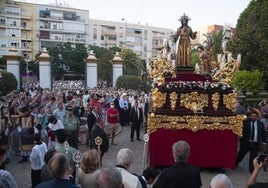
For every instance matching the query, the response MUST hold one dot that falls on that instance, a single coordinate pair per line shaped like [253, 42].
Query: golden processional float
[187, 105]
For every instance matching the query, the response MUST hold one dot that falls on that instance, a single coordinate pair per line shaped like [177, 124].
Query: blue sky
[164, 13]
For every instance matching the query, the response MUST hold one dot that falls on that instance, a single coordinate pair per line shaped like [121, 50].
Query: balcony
[59, 18]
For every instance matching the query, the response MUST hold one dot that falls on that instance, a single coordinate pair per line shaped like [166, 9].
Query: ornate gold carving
[195, 123]
[230, 101]
[173, 100]
[194, 101]
[159, 69]
[226, 72]
[215, 100]
[159, 99]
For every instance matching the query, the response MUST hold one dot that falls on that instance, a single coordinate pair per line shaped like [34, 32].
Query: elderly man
[180, 174]
[107, 177]
[124, 160]
[220, 181]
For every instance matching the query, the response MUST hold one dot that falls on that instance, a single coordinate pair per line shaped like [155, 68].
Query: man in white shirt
[60, 112]
[37, 159]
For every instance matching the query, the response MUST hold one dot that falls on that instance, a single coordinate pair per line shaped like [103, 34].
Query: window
[44, 13]
[69, 16]
[112, 37]
[2, 21]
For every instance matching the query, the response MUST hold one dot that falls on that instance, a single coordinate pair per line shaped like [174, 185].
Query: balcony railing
[62, 18]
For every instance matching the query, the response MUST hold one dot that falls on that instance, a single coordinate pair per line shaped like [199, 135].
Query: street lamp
[124, 19]
[26, 59]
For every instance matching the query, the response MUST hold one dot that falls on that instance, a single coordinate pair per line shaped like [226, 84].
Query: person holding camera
[258, 163]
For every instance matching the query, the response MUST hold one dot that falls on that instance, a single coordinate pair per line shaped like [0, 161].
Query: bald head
[220, 181]
[59, 166]
[108, 177]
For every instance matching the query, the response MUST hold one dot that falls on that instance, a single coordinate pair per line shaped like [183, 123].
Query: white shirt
[56, 126]
[37, 156]
[129, 180]
[59, 114]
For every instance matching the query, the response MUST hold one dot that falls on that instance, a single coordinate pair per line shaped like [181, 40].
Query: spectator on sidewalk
[148, 176]
[45, 175]
[60, 170]
[124, 159]
[258, 165]
[108, 177]
[180, 174]
[220, 181]
[90, 163]
[6, 179]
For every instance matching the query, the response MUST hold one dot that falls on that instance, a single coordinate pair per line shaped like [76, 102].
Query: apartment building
[30, 27]
[228, 31]
[144, 40]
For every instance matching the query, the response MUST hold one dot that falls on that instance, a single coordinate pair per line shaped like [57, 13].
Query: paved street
[22, 172]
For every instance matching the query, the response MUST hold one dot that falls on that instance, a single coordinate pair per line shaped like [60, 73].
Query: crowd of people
[36, 120]
[42, 126]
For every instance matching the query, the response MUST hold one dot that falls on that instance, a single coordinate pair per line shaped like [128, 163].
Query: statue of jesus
[184, 34]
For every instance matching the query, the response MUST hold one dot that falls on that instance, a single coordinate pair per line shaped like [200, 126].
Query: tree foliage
[128, 82]
[251, 81]
[104, 66]
[69, 55]
[251, 36]
[132, 63]
[217, 38]
[8, 83]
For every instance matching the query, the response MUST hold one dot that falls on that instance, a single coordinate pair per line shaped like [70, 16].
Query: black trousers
[36, 177]
[135, 127]
[252, 148]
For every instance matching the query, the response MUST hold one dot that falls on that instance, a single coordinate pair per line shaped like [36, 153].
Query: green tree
[217, 38]
[128, 82]
[133, 65]
[69, 55]
[3, 63]
[104, 66]
[9, 78]
[251, 81]
[251, 36]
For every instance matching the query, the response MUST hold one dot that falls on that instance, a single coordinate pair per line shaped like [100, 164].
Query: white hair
[125, 157]
[221, 181]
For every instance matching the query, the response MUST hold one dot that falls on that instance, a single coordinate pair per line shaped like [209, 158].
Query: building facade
[144, 40]
[30, 27]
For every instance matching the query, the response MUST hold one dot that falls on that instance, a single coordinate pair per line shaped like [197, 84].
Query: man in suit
[253, 137]
[60, 170]
[91, 120]
[98, 131]
[180, 174]
[135, 116]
